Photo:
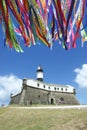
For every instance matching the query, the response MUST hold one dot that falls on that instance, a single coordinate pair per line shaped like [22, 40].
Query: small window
[74, 91]
[66, 89]
[55, 88]
[38, 84]
[49, 87]
[44, 86]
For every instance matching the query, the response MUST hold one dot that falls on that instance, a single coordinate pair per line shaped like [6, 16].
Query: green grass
[25, 119]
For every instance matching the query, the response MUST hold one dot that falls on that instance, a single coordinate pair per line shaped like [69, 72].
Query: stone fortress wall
[41, 96]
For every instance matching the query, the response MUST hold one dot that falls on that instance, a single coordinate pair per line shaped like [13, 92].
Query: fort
[38, 92]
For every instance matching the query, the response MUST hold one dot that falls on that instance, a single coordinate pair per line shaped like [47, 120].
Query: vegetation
[26, 119]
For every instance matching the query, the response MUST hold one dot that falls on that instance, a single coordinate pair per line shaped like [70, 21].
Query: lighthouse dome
[39, 68]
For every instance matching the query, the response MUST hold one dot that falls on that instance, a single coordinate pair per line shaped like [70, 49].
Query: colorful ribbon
[46, 21]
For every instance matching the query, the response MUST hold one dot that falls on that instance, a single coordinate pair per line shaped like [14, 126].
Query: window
[38, 84]
[49, 87]
[44, 86]
[66, 89]
[74, 91]
[55, 88]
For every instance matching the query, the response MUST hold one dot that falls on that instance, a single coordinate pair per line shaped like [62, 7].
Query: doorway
[52, 101]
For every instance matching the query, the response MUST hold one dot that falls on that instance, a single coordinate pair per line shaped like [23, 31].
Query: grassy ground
[24, 119]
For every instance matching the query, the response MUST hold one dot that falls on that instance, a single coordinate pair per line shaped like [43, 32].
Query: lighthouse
[39, 73]
[39, 92]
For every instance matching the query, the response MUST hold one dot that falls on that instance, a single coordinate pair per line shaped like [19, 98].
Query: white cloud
[9, 84]
[81, 77]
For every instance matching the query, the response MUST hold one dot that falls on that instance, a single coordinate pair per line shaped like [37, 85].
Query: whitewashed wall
[49, 87]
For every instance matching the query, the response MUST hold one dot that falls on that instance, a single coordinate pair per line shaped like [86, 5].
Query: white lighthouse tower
[39, 73]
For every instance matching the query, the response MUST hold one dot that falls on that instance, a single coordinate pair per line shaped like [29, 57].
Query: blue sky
[60, 67]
